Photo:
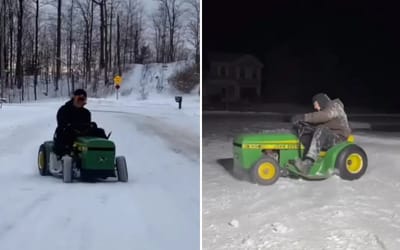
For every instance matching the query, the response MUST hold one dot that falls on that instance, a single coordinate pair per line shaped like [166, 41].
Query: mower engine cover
[96, 153]
[248, 148]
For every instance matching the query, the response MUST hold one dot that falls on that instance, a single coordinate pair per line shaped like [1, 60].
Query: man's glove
[93, 125]
[297, 118]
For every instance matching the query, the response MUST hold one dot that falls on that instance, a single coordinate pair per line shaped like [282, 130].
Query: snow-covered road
[298, 214]
[157, 209]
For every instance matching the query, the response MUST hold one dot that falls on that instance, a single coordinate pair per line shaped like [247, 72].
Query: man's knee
[321, 133]
[321, 130]
[98, 132]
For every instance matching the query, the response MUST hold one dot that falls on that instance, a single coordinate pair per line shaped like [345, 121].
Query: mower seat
[349, 139]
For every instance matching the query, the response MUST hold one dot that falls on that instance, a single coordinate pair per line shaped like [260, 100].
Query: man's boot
[304, 165]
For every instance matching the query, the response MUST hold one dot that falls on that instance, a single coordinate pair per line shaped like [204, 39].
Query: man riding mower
[79, 148]
[321, 146]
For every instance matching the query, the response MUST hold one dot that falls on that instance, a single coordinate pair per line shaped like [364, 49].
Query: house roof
[224, 57]
[229, 57]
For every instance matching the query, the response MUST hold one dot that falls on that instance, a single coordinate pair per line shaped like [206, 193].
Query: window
[242, 74]
[222, 71]
[255, 74]
[248, 93]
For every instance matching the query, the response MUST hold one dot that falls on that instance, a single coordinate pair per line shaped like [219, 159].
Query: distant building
[232, 77]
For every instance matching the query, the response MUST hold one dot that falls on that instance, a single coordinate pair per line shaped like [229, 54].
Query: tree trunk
[19, 71]
[11, 18]
[171, 50]
[105, 42]
[2, 46]
[131, 31]
[36, 61]
[5, 47]
[126, 45]
[90, 46]
[136, 44]
[118, 47]
[70, 44]
[101, 34]
[110, 41]
[58, 52]
[172, 24]
[163, 48]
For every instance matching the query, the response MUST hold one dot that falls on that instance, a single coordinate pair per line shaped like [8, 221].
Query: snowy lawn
[158, 208]
[298, 214]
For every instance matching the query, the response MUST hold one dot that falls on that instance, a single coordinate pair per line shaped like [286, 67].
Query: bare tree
[109, 52]
[118, 47]
[10, 4]
[138, 38]
[19, 70]
[101, 4]
[35, 44]
[70, 39]
[58, 48]
[194, 27]
[87, 12]
[130, 7]
[36, 58]
[2, 46]
[103, 38]
[160, 34]
[174, 11]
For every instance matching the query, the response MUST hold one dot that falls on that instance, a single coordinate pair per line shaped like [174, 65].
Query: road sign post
[117, 83]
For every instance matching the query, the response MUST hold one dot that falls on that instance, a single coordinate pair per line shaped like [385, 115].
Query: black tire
[43, 163]
[67, 169]
[122, 169]
[268, 166]
[352, 162]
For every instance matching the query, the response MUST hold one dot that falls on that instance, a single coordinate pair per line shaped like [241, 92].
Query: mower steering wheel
[304, 127]
[302, 124]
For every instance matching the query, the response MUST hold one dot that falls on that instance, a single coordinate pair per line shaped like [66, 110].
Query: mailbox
[178, 99]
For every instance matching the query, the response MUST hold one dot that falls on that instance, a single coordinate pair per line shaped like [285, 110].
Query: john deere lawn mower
[91, 158]
[268, 156]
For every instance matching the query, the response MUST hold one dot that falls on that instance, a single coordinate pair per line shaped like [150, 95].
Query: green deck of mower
[266, 157]
[91, 158]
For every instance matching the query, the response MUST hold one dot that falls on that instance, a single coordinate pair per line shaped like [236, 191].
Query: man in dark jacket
[331, 128]
[74, 120]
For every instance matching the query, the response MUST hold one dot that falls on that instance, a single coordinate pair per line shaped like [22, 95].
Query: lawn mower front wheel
[266, 171]
[122, 169]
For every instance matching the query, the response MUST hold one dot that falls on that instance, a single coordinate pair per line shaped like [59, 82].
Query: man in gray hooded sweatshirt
[331, 128]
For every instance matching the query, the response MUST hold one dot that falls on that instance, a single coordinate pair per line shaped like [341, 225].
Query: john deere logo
[102, 159]
[271, 146]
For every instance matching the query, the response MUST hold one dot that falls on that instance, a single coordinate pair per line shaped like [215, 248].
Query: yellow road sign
[117, 80]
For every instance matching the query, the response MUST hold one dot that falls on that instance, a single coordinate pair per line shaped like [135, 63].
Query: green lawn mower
[268, 156]
[91, 158]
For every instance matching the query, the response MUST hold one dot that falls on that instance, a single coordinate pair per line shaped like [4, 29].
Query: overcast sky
[149, 5]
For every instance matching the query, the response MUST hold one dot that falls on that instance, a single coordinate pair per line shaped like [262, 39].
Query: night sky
[348, 49]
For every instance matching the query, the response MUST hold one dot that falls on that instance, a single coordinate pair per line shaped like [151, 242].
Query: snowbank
[143, 81]
[161, 145]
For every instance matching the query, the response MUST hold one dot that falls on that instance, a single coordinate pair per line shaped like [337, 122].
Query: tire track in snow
[181, 141]
[87, 215]
[17, 221]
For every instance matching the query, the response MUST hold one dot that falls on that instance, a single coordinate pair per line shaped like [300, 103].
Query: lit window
[255, 74]
[222, 71]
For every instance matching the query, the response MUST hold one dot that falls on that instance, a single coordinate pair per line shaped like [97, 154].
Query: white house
[232, 77]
